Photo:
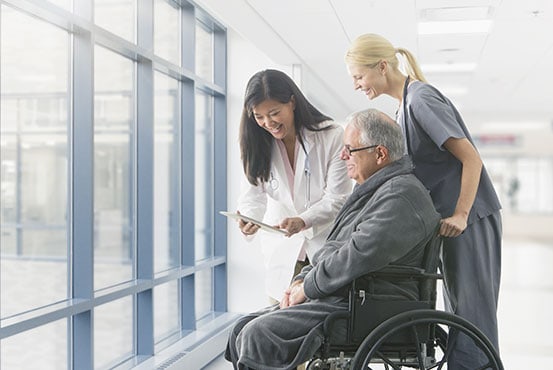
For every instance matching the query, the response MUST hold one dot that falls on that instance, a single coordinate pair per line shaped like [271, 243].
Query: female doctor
[291, 158]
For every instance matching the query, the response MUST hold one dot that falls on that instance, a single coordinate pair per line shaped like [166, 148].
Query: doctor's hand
[247, 228]
[294, 295]
[453, 226]
[292, 225]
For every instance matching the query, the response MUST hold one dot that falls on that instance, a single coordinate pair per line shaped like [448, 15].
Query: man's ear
[381, 154]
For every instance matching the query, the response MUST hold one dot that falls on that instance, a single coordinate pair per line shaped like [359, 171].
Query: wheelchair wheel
[426, 351]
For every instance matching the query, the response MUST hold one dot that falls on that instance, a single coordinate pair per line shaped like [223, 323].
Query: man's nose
[344, 154]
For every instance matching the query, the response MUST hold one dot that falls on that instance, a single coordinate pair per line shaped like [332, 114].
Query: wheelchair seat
[396, 333]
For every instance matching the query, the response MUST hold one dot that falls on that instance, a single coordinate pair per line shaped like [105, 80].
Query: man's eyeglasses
[350, 150]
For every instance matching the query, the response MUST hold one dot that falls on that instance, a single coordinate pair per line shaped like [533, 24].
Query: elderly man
[386, 220]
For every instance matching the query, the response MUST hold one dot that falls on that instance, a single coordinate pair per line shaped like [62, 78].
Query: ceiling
[512, 75]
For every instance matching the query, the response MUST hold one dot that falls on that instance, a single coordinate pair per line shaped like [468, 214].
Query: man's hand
[294, 295]
[292, 224]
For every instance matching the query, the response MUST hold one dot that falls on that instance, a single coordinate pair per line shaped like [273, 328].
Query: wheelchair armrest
[403, 272]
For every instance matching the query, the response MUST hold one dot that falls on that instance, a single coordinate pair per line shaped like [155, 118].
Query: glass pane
[117, 16]
[33, 176]
[113, 168]
[204, 51]
[166, 310]
[166, 173]
[203, 286]
[30, 349]
[535, 181]
[113, 340]
[8, 174]
[203, 176]
[66, 4]
[167, 30]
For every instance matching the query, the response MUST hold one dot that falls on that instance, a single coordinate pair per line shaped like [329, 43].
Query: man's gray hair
[376, 128]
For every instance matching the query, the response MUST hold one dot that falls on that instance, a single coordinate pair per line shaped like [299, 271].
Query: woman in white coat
[297, 182]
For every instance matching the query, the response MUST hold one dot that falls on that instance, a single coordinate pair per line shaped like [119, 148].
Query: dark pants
[471, 264]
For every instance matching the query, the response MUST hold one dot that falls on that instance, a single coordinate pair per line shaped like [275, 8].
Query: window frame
[78, 308]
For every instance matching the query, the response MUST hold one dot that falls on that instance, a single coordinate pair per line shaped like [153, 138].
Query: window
[34, 162]
[113, 168]
[166, 172]
[523, 183]
[110, 181]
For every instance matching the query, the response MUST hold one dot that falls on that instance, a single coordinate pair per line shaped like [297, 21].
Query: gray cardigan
[386, 220]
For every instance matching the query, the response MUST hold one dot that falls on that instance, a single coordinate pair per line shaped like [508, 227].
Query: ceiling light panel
[450, 48]
[448, 67]
[459, 27]
[455, 13]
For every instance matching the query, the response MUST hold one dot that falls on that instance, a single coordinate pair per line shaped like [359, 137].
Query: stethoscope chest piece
[273, 183]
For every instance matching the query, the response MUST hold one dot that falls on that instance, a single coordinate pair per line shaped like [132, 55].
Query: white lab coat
[272, 201]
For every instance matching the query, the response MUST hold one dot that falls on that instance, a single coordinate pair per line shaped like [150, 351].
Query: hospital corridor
[131, 129]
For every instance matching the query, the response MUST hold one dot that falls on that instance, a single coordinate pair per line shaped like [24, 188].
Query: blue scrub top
[431, 119]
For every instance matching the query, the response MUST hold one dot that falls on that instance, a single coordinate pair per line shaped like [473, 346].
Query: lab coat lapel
[300, 175]
[285, 195]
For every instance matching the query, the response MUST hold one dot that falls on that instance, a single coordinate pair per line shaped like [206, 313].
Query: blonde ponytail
[410, 64]
[369, 49]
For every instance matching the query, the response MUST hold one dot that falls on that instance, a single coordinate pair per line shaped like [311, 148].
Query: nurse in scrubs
[291, 158]
[448, 164]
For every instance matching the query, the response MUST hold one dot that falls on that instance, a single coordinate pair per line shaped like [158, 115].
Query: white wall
[246, 289]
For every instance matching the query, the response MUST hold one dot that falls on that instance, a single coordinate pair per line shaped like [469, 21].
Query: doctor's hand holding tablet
[249, 226]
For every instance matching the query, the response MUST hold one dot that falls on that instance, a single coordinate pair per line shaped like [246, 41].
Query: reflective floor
[526, 300]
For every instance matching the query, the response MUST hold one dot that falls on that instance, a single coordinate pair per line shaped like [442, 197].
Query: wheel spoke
[418, 346]
[451, 339]
[384, 358]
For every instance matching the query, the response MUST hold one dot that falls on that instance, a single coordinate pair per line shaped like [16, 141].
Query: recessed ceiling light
[448, 67]
[434, 28]
[459, 13]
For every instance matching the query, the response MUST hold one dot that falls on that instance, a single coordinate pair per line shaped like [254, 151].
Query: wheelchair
[396, 334]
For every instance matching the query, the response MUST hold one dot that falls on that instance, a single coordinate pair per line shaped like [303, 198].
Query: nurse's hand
[292, 225]
[453, 226]
[247, 228]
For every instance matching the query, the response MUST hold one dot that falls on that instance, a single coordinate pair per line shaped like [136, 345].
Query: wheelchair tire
[369, 350]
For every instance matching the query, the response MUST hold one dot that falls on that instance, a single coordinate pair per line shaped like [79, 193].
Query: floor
[526, 327]
[526, 298]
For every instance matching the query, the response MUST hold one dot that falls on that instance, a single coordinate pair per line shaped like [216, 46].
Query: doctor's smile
[276, 117]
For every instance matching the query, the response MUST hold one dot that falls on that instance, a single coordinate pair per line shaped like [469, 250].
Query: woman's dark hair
[255, 142]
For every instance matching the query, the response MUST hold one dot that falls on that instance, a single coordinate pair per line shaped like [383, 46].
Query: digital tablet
[262, 225]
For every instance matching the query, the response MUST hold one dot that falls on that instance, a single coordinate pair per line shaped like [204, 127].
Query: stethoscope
[273, 182]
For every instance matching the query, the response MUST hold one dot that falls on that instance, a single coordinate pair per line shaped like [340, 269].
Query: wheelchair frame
[398, 334]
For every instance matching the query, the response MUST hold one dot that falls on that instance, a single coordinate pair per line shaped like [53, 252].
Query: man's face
[360, 164]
